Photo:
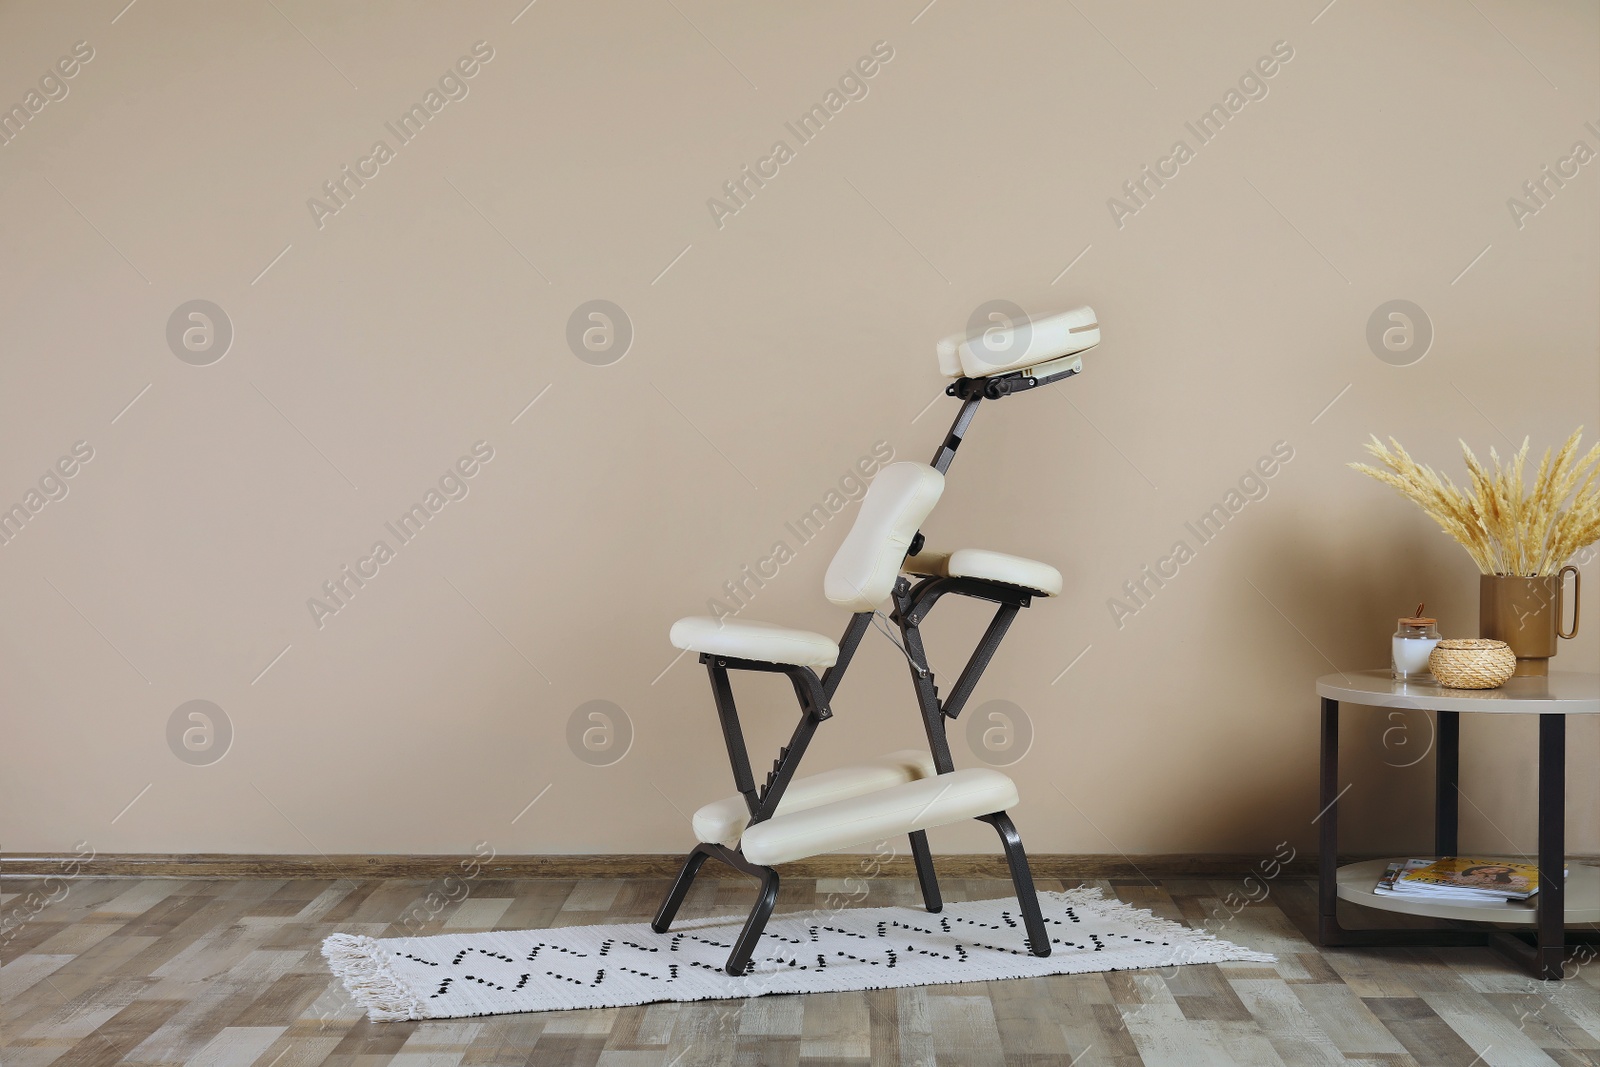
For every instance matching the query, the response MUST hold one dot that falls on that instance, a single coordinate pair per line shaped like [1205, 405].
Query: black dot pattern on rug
[419, 959]
[598, 979]
[708, 941]
[960, 957]
[553, 948]
[1138, 940]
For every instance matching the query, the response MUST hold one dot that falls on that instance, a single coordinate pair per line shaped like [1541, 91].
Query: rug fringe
[1199, 941]
[358, 962]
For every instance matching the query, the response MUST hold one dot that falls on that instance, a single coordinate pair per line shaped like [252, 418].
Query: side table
[1577, 900]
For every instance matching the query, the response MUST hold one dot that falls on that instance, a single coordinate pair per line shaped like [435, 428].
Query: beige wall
[768, 358]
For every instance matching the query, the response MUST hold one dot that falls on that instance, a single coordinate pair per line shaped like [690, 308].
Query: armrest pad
[987, 566]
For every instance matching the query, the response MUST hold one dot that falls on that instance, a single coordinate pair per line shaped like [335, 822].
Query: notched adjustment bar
[1019, 381]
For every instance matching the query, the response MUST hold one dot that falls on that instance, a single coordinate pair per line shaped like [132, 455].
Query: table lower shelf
[1357, 882]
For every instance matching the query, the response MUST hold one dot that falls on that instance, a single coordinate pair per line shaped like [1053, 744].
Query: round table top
[1558, 693]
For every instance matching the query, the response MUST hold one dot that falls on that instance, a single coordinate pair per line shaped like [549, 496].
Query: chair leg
[680, 889]
[925, 872]
[743, 948]
[1022, 879]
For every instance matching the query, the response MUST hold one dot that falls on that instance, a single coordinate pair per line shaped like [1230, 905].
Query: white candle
[1411, 655]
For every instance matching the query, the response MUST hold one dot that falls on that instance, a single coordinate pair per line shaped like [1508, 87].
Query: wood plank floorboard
[227, 973]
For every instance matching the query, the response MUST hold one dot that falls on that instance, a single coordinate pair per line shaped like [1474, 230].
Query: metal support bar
[814, 710]
[680, 889]
[927, 699]
[958, 430]
[912, 605]
[921, 599]
[927, 878]
[853, 633]
[980, 660]
[739, 959]
[732, 735]
[790, 755]
[1022, 881]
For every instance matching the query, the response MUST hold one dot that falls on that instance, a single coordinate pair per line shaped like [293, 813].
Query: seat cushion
[990, 566]
[762, 641]
[1002, 349]
[722, 821]
[892, 812]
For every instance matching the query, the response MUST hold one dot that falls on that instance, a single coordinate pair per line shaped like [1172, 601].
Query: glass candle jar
[1411, 646]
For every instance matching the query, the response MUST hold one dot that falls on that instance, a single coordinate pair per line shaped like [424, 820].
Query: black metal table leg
[1447, 779]
[1552, 845]
[1328, 856]
[1329, 932]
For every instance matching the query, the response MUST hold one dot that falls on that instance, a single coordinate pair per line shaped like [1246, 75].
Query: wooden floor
[227, 974]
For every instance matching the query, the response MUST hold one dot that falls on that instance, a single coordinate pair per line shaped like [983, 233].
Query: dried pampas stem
[1506, 525]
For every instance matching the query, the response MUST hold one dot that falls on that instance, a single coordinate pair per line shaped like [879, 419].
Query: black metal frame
[1003, 385]
[972, 392]
[912, 604]
[1545, 951]
[813, 694]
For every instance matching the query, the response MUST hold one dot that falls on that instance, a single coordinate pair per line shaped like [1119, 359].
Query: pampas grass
[1507, 525]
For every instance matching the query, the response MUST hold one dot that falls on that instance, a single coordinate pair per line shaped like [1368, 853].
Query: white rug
[452, 976]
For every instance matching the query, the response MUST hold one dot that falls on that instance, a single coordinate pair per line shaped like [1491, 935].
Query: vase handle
[1561, 582]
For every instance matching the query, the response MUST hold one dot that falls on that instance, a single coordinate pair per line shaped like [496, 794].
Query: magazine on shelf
[1461, 878]
[1393, 871]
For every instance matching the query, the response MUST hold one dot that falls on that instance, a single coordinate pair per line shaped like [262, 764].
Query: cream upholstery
[990, 566]
[863, 571]
[722, 821]
[918, 805]
[1020, 346]
[743, 639]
